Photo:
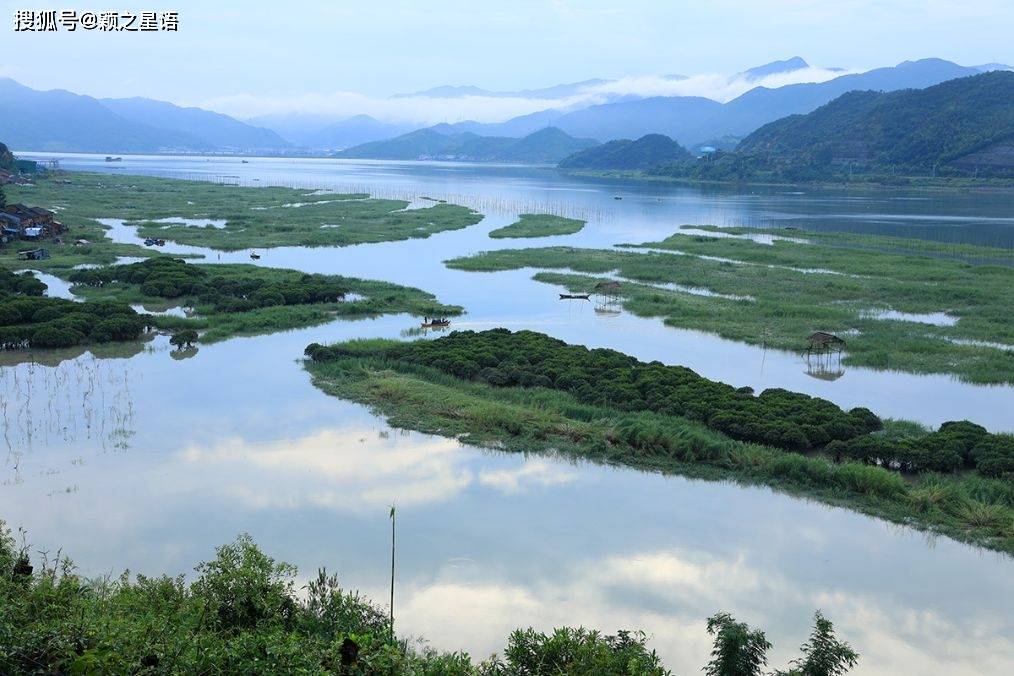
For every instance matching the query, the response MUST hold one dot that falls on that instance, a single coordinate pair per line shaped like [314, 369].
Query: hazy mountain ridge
[215, 129]
[958, 127]
[691, 120]
[775, 67]
[59, 120]
[551, 92]
[63, 121]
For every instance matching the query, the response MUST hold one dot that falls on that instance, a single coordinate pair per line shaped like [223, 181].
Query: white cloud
[426, 110]
[348, 469]
[532, 473]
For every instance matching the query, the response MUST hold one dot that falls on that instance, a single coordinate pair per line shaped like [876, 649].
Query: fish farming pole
[392, 574]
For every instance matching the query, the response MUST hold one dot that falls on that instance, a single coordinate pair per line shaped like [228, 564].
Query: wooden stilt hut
[822, 342]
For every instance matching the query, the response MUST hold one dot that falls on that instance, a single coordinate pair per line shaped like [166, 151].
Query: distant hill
[354, 131]
[214, 129]
[58, 120]
[6, 157]
[548, 145]
[775, 67]
[960, 127]
[693, 120]
[515, 127]
[640, 155]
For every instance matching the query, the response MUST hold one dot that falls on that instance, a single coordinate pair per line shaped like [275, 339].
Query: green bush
[994, 456]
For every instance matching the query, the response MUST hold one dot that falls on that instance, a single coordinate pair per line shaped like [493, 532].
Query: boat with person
[575, 296]
[432, 322]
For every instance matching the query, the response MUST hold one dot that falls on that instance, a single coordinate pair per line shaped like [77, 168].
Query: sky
[255, 57]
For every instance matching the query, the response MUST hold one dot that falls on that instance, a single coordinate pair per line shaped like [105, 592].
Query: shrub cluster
[39, 322]
[776, 417]
[955, 445]
[24, 284]
[165, 277]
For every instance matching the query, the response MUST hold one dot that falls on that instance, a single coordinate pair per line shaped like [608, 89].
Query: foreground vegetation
[528, 392]
[777, 294]
[539, 225]
[242, 614]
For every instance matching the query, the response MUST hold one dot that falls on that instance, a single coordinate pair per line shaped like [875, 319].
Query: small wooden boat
[435, 322]
[110, 158]
[617, 197]
[254, 255]
[575, 296]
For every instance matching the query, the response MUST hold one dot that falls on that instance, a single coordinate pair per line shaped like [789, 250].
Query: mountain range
[59, 120]
[693, 119]
[960, 127]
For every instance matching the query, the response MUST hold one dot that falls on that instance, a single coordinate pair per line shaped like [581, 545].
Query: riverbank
[918, 183]
[425, 395]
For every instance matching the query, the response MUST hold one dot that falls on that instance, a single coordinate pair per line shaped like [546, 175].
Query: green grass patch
[233, 300]
[776, 295]
[254, 217]
[538, 225]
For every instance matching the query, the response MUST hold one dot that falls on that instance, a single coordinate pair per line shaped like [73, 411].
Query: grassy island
[229, 300]
[539, 225]
[899, 305]
[28, 319]
[221, 301]
[525, 391]
[230, 217]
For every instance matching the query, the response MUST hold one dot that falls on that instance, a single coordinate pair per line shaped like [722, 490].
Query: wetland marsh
[120, 458]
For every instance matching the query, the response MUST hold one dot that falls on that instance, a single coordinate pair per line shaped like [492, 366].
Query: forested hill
[962, 127]
[6, 157]
[646, 152]
[549, 145]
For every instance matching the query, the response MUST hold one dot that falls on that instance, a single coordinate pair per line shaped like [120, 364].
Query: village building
[33, 223]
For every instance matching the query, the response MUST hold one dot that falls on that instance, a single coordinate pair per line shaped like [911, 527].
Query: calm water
[148, 461]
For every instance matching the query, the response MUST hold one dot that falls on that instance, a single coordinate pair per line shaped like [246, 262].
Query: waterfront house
[29, 218]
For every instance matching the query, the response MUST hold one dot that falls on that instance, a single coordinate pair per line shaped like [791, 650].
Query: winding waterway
[148, 459]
